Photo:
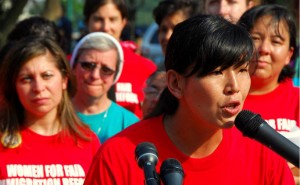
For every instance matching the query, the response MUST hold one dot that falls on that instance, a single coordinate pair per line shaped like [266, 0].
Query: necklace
[102, 121]
[105, 114]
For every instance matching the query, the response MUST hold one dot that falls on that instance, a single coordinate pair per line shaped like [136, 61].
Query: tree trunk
[53, 10]
[10, 18]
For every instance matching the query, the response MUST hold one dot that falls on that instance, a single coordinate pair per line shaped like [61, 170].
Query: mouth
[261, 63]
[92, 84]
[40, 101]
[232, 108]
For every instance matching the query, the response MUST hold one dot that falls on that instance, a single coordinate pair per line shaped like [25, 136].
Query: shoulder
[122, 111]
[129, 55]
[140, 131]
[288, 85]
[131, 136]
[289, 91]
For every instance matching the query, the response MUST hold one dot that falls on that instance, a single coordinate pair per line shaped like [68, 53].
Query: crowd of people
[79, 119]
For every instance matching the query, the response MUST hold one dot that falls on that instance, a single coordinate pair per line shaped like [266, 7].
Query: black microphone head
[248, 123]
[171, 172]
[146, 152]
[170, 165]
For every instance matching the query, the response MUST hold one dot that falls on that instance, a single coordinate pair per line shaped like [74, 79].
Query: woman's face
[152, 92]
[166, 28]
[217, 98]
[94, 72]
[231, 10]
[40, 86]
[273, 47]
[107, 19]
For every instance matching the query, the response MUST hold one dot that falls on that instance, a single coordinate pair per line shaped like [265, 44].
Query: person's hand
[296, 173]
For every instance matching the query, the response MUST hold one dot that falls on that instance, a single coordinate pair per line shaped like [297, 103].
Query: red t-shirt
[41, 159]
[129, 87]
[237, 160]
[280, 108]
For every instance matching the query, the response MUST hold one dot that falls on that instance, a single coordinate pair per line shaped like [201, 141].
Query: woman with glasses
[111, 16]
[97, 63]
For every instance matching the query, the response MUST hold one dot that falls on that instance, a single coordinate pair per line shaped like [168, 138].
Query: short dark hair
[278, 13]
[169, 7]
[198, 46]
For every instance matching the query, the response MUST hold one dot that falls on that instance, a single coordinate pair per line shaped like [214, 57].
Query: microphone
[171, 172]
[146, 157]
[253, 126]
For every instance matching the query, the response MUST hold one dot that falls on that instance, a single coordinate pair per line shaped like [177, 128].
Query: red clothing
[237, 160]
[47, 159]
[129, 88]
[280, 108]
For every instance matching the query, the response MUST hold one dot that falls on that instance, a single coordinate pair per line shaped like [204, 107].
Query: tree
[9, 17]
[10, 11]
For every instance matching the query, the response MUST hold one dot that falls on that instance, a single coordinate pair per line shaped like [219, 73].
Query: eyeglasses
[90, 66]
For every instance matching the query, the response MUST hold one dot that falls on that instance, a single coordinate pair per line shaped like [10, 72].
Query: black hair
[278, 13]
[198, 46]
[168, 7]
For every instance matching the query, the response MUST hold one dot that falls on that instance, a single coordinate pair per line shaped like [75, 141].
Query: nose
[95, 74]
[232, 84]
[168, 34]
[223, 8]
[105, 26]
[38, 85]
[263, 47]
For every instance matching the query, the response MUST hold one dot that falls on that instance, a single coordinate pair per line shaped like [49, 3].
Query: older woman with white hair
[97, 63]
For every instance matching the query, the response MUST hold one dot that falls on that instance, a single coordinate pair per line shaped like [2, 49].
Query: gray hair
[99, 41]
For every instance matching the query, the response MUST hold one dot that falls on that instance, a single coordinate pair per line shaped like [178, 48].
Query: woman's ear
[175, 83]
[290, 54]
[124, 22]
[251, 4]
[65, 83]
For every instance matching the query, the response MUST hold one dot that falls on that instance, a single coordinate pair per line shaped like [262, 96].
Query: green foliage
[144, 14]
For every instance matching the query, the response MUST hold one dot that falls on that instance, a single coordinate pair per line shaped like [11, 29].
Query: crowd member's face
[107, 19]
[231, 10]
[167, 26]
[273, 47]
[95, 71]
[152, 92]
[215, 99]
[40, 86]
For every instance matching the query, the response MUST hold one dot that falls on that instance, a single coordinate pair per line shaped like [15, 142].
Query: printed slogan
[53, 174]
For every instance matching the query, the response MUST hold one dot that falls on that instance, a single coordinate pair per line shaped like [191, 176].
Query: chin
[228, 124]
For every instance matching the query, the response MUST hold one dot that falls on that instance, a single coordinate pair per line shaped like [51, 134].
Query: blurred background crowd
[67, 14]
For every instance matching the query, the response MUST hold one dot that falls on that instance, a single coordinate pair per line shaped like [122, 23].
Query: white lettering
[123, 87]
[17, 170]
[73, 181]
[74, 170]
[54, 170]
[127, 97]
[282, 124]
[285, 124]
[28, 181]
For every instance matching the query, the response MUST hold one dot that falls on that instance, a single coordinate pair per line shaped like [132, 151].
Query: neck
[48, 124]
[260, 86]
[91, 105]
[191, 138]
